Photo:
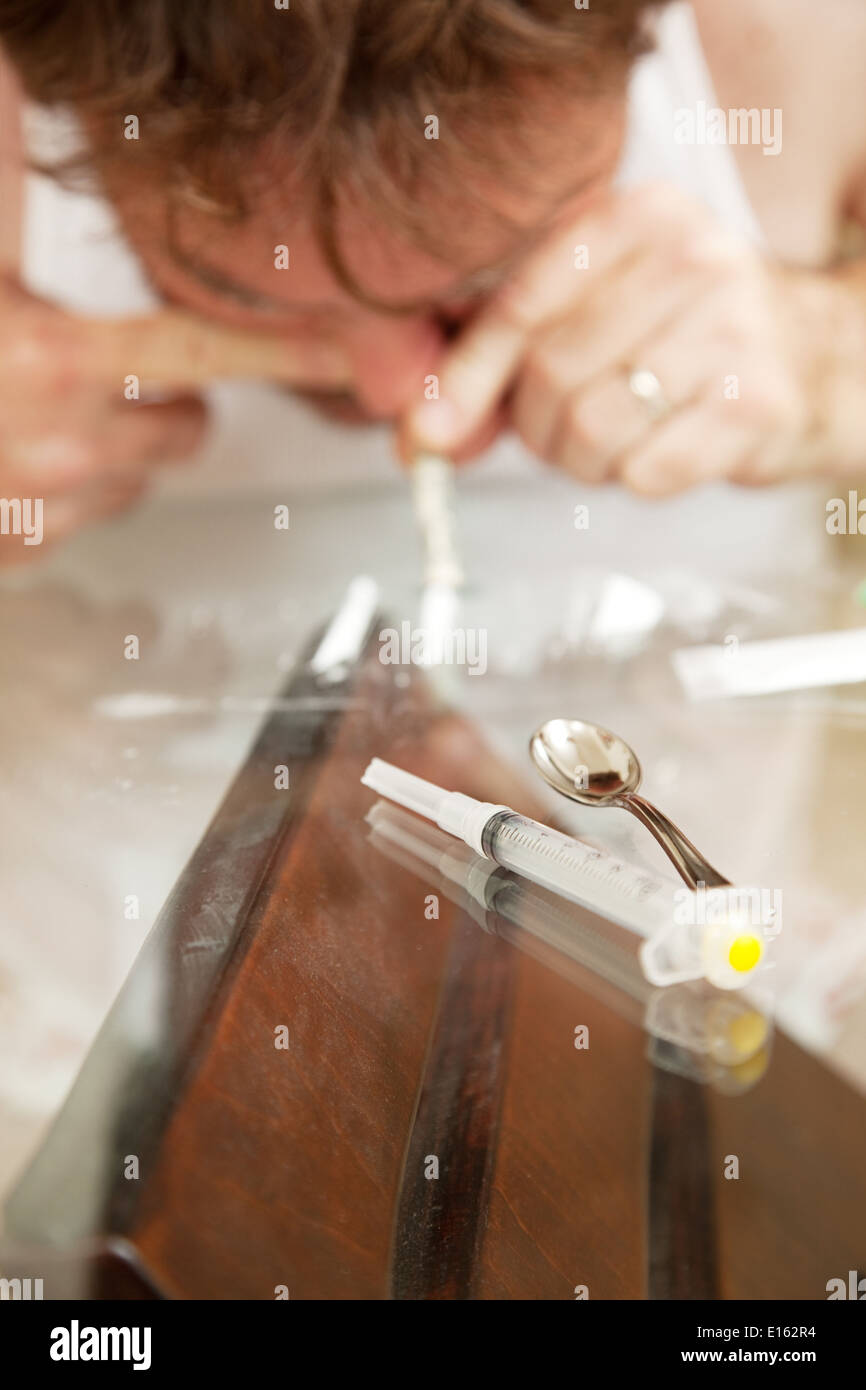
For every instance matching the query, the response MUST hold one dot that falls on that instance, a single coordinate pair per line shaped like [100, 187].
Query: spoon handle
[688, 861]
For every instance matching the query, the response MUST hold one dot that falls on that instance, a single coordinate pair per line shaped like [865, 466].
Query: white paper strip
[760, 668]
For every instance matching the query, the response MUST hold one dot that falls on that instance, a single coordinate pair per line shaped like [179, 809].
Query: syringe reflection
[713, 1036]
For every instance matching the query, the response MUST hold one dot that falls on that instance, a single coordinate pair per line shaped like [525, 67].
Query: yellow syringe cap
[732, 950]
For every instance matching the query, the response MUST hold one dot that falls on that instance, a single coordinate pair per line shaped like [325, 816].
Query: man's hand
[68, 432]
[737, 358]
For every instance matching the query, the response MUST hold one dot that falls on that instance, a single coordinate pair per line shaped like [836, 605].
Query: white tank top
[74, 254]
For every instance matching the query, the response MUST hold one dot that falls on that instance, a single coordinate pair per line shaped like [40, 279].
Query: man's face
[232, 273]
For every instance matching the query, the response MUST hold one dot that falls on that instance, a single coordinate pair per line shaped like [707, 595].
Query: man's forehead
[285, 266]
[294, 275]
[247, 265]
[273, 262]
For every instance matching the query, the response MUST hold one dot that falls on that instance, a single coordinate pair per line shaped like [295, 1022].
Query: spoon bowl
[584, 761]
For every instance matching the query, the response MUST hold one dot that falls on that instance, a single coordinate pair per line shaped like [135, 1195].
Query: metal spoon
[595, 767]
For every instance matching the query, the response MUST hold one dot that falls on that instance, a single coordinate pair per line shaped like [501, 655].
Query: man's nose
[393, 361]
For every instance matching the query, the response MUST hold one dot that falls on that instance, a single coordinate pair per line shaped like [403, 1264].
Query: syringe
[679, 945]
[694, 1029]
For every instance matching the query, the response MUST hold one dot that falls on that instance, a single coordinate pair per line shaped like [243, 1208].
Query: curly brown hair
[341, 87]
